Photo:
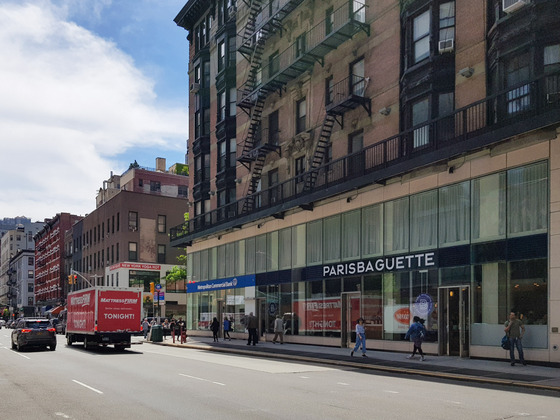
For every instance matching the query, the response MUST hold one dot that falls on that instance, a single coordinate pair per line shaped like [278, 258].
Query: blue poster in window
[423, 306]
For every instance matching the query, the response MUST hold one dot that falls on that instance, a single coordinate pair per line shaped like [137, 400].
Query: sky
[86, 88]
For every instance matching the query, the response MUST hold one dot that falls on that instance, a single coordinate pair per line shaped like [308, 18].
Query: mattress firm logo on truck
[125, 301]
[83, 300]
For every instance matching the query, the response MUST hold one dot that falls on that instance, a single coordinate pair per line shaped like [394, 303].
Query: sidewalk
[443, 367]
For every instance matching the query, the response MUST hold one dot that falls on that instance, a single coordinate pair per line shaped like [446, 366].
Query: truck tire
[86, 344]
[69, 340]
[119, 347]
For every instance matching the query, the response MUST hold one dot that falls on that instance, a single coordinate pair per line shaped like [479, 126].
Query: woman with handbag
[416, 334]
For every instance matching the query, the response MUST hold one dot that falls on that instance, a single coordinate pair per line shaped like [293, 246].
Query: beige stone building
[383, 159]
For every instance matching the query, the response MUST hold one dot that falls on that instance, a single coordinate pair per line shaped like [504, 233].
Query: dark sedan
[33, 332]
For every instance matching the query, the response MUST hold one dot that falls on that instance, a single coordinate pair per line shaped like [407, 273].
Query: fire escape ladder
[320, 150]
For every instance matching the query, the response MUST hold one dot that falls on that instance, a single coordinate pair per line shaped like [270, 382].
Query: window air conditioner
[510, 6]
[195, 87]
[553, 97]
[447, 45]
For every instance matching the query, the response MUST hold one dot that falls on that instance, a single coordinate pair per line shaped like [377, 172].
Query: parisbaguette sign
[383, 264]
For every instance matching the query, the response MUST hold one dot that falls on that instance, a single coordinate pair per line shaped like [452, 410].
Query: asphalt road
[148, 382]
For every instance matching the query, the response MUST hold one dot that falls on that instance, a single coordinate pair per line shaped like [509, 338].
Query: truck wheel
[86, 344]
[69, 340]
[119, 347]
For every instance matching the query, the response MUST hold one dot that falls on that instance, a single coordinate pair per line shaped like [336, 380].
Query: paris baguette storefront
[460, 255]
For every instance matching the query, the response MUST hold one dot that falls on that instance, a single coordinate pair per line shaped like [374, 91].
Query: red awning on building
[56, 310]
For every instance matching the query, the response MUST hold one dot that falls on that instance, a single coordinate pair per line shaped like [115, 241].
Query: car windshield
[38, 324]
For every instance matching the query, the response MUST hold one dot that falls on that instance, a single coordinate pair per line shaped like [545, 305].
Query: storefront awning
[55, 311]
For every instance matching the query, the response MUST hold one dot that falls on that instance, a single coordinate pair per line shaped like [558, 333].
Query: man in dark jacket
[252, 328]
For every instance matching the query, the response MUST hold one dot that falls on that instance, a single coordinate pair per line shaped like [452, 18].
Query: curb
[374, 367]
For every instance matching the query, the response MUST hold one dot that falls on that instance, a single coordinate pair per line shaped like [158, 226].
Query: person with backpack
[514, 330]
[416, 334]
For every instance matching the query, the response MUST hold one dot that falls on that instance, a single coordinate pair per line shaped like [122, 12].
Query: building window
[301, 113]
[221, 56]
[221, 106]
[358, 78]
[329, 20]
[30, 287]
[155, 186]
[132, 251]
[232, 51]
[161, 219]
[274, 193]
[421, 36]
[232, 152]
[222, 155]
[132, 221]
[232, 102]
[273, 128]
[300, 169]
[273, 64]
[161, 254]
[421, 114]
[301, 45]
[30, 260]
[551, 58]
[29, 274]
[329, 90]
[447, 21]
[183, 191]
[518, 70]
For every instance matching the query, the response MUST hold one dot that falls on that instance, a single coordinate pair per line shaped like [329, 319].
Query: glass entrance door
[350, 314]
[454, 321]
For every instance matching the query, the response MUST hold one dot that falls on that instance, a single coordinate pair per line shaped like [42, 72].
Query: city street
[151, 381]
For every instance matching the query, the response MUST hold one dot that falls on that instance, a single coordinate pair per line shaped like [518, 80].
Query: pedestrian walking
[145, 327]
[182, 330]
[165, 328]
[278, 330]
[360, 337]
[227, 326]
[252, 324]
[515, 329]
[172, 326]
[416, 334]
[215, 327]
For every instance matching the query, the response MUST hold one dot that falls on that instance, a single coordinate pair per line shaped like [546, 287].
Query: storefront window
[331, 239]
[396, 226]
[454, 214]
[372, 230]
[272, 251]
[351, 235]
[203, 265]
[230, 259]
[423, 220]
[285, 249]
[527, 199]
[221, 263]
[396, 305]
[489, 207]
[314, 242]
[372, 306]
[240, 257]
[299, 250]
[250, 255]
[260, 254]
[212, 264]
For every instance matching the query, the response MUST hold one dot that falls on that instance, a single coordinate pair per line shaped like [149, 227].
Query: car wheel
[13, 345]
[19, 347]
[52, 347]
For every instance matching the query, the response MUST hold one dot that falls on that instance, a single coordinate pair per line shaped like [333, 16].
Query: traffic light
[70, 277]
[75, 279]
[152, 287]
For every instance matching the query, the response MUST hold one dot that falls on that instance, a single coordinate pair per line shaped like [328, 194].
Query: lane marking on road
[201, 379]
[24, 356]
[342, 383]
[454, 402]
[87, 386]
[304, 377]
[391, 392]
[64, 416]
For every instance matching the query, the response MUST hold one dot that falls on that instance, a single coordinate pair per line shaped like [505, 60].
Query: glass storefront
[487, 238]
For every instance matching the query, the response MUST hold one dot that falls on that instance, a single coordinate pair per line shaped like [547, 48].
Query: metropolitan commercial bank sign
[408, 262]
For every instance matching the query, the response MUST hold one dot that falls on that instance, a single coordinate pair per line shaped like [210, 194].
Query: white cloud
[70, 101]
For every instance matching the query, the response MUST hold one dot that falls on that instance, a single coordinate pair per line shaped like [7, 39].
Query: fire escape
[263, 21]
[344, 96]
[309, 48]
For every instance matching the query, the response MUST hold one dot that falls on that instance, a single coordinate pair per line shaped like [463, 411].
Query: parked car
[33, 332]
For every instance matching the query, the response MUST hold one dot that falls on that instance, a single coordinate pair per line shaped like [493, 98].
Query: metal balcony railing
[519, 109]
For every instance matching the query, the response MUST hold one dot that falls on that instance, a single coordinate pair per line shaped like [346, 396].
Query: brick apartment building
[381, 159]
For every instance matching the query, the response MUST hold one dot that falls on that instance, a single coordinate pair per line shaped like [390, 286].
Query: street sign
[158, 286]
[159, 296]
